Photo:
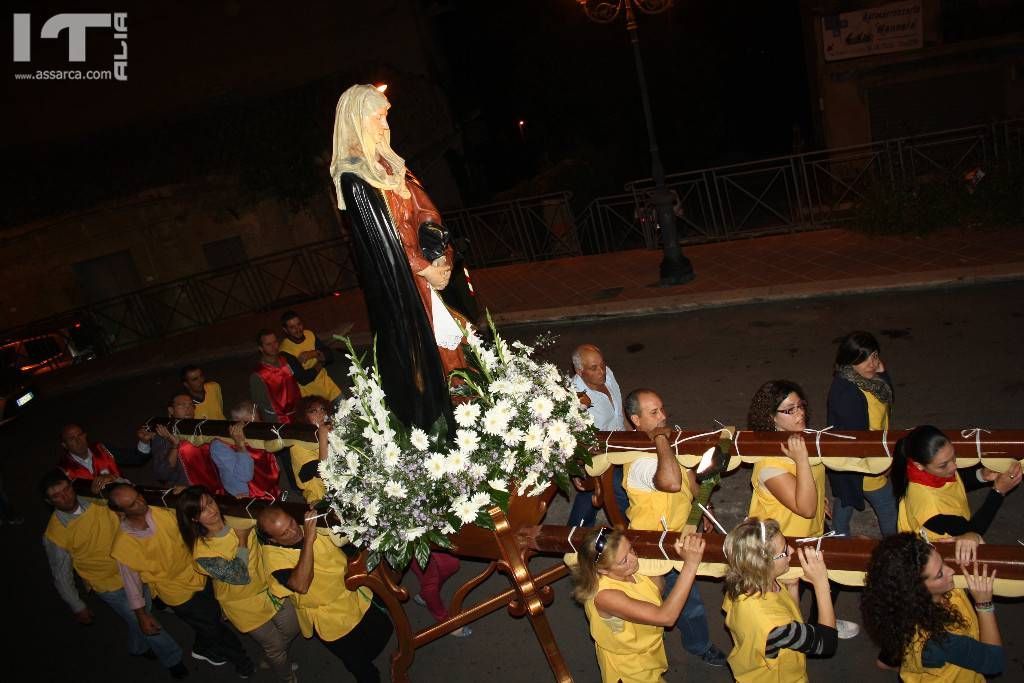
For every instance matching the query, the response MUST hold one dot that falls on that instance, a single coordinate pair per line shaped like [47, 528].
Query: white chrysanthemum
[418, 439]
[393, 489]
[480, 500]
[500, 386]
[467, 440]
[455, 462]
[477, 471]
[534, 437]
[568, 444]
[370, 512]
[545, 451]
[520, 387]
[557, 430]
[466, 414]
[412, 534]
[352, 461]
[498, 484]
[541, 407]
[391, 455]
[335, 443]
[496, 421]
[531, 480]
[508, 461]
[435, 466]
[513, 437]
[464, 510]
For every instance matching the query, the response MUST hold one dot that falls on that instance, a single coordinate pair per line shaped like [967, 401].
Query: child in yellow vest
[627, 616]
[235, 566]
[925, 625]
[933, 497]
[771, 640]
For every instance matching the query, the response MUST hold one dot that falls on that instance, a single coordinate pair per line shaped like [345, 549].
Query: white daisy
[467, 440]
[418, 439]
[435, 466]
[466, 414]
[513, 437]
[464, 510]
[541, 407]
[393, 489]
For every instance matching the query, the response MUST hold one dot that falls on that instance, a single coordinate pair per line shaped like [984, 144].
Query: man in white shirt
[597, 389]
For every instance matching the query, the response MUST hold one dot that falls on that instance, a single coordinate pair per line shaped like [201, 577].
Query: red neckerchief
[919, 476]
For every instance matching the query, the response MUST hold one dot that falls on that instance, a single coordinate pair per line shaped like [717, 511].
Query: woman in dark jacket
[860, 398]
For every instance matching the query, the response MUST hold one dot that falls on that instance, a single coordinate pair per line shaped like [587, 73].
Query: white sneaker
[846, 629]
[463, 632]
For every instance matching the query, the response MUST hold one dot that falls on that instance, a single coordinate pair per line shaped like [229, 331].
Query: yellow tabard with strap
[88, 539]
[312, 490]
[329, 608]
[162, 560]
[646, 508]
[212, 407]
[322, 384]
[750, 619]
[878, 419]
[766, 506]
[912, 671]
[632, 653]
[249, 606]
[921, 503]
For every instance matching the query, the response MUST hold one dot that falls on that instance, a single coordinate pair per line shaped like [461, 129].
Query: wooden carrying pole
[996, 443]
[265, 431]
[840, 553]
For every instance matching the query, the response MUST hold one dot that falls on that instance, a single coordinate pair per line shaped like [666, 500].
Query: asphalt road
[954, 356]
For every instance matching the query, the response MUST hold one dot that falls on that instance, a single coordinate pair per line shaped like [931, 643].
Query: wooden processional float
[518, 536]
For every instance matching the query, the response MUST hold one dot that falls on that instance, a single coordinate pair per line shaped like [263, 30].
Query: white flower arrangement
[396, 491]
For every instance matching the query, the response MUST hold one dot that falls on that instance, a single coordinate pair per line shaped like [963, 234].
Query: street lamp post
[675, 269]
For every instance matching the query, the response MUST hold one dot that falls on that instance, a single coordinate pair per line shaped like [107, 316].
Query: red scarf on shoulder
[919, 476]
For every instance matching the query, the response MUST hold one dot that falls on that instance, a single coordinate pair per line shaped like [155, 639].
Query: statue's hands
[437, 273]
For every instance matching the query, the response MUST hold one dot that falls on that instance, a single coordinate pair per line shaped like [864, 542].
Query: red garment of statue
[102, 463]
[282, 389]
[409, 214]
[199, 466]
[265, 474]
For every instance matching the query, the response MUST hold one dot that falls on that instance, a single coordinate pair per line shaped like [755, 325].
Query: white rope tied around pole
[608, 445]
[885, 441]
[812, 539]
[976, 433]
[198, 431]
[568, 540]
[163, 498]
[817, 438]
[661, 541]
[736, 443]
[924, 537]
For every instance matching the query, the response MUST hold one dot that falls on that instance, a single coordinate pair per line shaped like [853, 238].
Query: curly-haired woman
[626, 613]
[860, 398]
[933, 497]
[922, 623]
[771, 640]
[316, 411]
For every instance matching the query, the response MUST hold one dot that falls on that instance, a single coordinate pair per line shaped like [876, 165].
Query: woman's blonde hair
[748, 549]
[589, 561]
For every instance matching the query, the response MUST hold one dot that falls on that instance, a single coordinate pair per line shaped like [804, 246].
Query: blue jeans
[884, 504]
[693, 620]
[583, 512]
[163, 646]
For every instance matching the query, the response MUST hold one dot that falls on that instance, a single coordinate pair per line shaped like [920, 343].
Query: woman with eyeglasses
[626, 613]
[860, 398]
[239, 581]
[922, 623]
[933, 498]
[771, 639]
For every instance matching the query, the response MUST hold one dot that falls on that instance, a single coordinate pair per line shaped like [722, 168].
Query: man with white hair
[598, 390]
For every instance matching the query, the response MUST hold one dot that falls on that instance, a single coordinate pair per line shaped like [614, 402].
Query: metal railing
[797, 192]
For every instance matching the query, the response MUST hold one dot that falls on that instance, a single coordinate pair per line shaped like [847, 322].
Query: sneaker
[419, 601]
[178, 670]
[463, 632]
[846, 629]
[245, 669]
[713, 657]
[215, 660]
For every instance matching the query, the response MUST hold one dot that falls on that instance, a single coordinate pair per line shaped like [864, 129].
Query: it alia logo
[76, 26]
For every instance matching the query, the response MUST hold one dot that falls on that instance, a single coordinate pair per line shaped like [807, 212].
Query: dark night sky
[727, 81]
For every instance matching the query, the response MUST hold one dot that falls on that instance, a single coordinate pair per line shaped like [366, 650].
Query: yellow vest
[249, 606]
[162, 560]
[632, 653]
[88, 539]
[212, 407]
[750, 619]
[878, 419]
[766, 506]
[646, 508]
[921, 503]
[312, 490]
[322, 384]
[912, 671]
[329, 608]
